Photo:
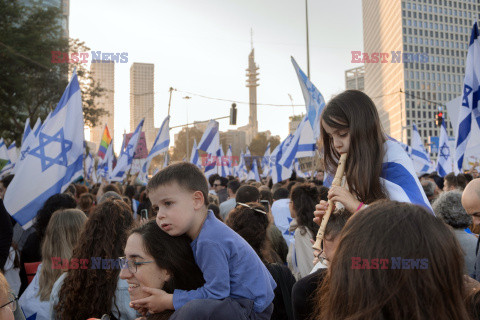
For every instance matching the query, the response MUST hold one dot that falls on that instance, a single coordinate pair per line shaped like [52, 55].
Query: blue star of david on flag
[287, 232]
[466, 92]
[24, 153]
[61, 157]
[444, 151]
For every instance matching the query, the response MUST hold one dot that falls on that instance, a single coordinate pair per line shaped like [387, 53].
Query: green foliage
[259, 144]
[180, 148]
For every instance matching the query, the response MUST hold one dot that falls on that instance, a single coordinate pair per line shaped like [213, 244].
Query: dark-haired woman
[155, 259]
[395, 261]
[303, 199]
[97, 290]
[251, 222]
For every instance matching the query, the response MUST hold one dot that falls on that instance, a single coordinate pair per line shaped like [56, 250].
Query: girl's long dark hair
[88, 293]
[388, 230]
[304, 197]
[355, 111]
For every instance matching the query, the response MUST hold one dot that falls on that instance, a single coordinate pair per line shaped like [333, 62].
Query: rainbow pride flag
[104, 143]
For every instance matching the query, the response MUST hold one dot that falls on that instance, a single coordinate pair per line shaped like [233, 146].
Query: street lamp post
[308, 49]
[187, 98]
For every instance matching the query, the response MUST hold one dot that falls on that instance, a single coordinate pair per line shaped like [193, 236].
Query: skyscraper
[355, 78]
[104, 74]
[434, 34]
[141, 99]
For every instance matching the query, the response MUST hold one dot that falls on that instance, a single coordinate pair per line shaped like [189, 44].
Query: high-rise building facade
[424, 43]
[141, 99]
[355, 79]
[103, 72]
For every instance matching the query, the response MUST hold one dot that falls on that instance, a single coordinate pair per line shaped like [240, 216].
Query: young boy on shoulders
[236, 280]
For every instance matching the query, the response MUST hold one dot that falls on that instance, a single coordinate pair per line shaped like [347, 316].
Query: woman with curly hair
[156, 260]
[96, 290]
[303, 199]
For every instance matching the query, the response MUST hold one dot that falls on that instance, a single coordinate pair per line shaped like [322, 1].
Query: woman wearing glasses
[250, 221]
[155, 260]
[97, 290]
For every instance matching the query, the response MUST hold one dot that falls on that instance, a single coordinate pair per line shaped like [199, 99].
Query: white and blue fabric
[162, 141]
[54, 161]
[445, 156]
[314, 101]
[265, 164]
[469, 111]
[230, 161]
[420, 158]
[126, 156]
[399, 178]
[278, 171]
[26, 144]
[13, 152]
[194, 158]
[301, 145]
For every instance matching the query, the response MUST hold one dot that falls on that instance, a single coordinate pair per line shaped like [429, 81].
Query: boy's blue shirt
[230, 267]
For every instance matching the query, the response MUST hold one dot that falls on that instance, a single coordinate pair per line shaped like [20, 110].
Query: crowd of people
[220, 248]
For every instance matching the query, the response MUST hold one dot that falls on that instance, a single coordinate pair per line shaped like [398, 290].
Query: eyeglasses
[250, 207]
[131, 264]
[216, 184]
[13, 300]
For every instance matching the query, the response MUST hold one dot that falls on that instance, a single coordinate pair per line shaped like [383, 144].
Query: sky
[202, 47]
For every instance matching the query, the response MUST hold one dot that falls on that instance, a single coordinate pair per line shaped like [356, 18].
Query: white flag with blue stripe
[89, 166]
[26, 144]
[194, 158]
[301, 145]
[230, 161]
[162, 141]
[420, 158]
[445, 156]
[399, 178]
[26, 130]
[210, 139]
[54, 160]
[221, 161]
[278, 171]
[469, 110]
[242, 172]
[313, 100]
[126, 156]
[265, 164]
[255, 174]
[13, 152]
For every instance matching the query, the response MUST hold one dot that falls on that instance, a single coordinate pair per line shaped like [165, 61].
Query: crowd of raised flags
[54, 152]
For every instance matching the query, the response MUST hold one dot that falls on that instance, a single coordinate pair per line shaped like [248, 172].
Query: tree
[30, 84]
[180, 148]
[259, 144]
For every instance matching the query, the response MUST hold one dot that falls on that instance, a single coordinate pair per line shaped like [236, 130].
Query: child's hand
[158, 301]
[342, 195]
[320, 210]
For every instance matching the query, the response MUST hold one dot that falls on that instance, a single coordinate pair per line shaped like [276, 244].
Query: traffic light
[233, 115]
[439, 119]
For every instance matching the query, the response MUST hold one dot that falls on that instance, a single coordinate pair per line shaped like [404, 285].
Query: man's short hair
[212, 178]
[429, 188]
[448, 207]
[247, 194]
[223, 181]
[233, 185]
[185, 174]
[280, 193]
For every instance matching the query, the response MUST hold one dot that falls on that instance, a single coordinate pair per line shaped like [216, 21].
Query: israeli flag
[162, 141]
[242, 172]
[469, 111]
[420, 158]
[194, 158]
[54, 161]
[299, 171]
[26, 130]
[126, 156]
[301, 145]
[223, 164]
[165, 160]
[266, 160]
[254, 172]
[399, 178]
[103, 168]
[6, 165]
[278, 171]
[26, 144]
[313, 100]
[445, 157]
[13, 153]
[210, 141]
[46, 120]
[89, 166]
[230, 161]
